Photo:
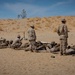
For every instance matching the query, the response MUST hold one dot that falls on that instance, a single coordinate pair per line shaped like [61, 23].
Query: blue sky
[37, 8]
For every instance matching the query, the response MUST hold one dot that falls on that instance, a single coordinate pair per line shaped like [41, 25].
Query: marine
[63, 33]
[17, 43]
[3, 43]
[32, 38]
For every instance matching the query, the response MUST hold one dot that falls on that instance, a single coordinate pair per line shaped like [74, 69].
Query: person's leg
[34, 45]
[31, 45]
[61, 47]
[64, 46]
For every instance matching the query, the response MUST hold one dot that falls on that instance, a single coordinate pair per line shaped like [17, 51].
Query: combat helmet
[32, 26]
[63, 20]
[18, 36]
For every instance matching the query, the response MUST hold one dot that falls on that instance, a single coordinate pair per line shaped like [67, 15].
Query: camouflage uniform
[17, 43]
[3, 43]
[32, 38]
[63, 33]
[2, 40]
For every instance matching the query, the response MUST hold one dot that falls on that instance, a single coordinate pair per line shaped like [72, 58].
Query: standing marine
[32, 38]
[63, 33]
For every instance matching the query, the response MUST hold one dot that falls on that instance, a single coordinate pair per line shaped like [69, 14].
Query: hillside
[41, 24]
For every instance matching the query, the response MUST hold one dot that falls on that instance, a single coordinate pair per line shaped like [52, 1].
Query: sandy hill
[45, 23]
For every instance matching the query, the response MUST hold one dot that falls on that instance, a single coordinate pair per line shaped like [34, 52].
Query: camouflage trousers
[63, 46]
[32, 45]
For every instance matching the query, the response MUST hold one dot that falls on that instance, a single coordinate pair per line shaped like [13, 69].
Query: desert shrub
[1, 24]
[43, 21]
[28, 25]
[38, 23]
[36, 28]
[13, 28]
[47, 25]
[13, 23]
[18, 28]
[1, 29]
[55, 30]
[73, 25]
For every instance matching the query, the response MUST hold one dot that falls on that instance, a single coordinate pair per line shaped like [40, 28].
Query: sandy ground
[22, 63]
[19, 62]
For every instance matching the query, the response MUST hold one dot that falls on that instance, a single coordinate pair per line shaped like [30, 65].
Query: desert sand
[19, 62]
